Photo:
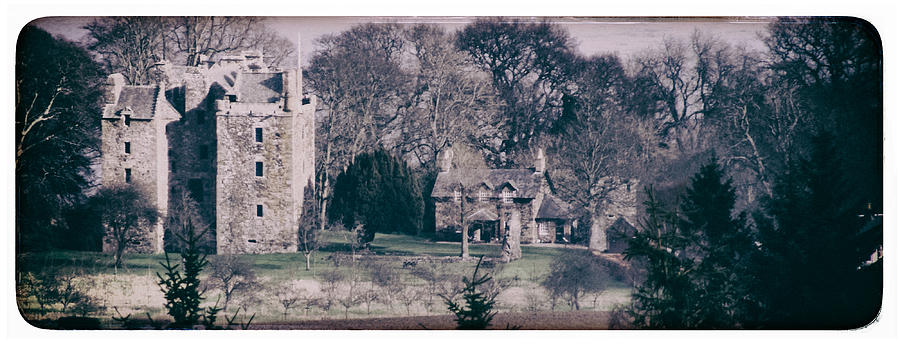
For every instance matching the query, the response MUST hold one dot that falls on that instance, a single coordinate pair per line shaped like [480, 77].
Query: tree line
[498, 89]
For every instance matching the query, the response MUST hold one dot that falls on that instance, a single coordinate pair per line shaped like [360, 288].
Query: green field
[132, 288]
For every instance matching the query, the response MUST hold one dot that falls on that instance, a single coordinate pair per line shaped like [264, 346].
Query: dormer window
[457, 195]
[126, 115]
[482, 196]
[507, 196]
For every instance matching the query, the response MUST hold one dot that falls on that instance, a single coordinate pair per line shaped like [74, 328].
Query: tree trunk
[307, 254]
[575, 301]
[120, 248]
[465, 242]
[598, 234]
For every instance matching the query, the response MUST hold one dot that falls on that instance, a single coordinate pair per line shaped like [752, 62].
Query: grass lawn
[134, 286]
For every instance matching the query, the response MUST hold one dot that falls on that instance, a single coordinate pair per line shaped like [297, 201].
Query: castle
[234, 135]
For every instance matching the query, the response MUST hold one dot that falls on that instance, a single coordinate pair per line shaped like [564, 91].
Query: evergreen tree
[808, 273]
[696, 260]
[666, 297]
[182, 290]
[720, 245]
[379, 192]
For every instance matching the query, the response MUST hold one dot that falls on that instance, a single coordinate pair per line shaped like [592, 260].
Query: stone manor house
[234, 135]
[519, 206]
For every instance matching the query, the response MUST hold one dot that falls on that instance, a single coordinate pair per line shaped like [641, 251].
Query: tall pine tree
[695, 259]
[808, 274]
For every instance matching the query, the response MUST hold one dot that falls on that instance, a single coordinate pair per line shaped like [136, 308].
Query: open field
[133, 289]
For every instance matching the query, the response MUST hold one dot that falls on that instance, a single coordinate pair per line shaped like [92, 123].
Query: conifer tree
[182, 290]
[721, 247]
[696, 259]
[379, 192]
[808, 272]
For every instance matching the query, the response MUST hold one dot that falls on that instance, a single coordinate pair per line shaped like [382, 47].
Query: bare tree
[233, 276]
[184, 210]
[130, 45]
[357, 76]
[126, 214]
[450, 100]
[599, 140]
[351, 296]
[287, 296]
[529, 64]
[209, 36]
[331, 280]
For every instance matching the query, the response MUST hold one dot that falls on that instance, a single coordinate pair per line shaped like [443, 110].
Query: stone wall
[192, 157]
[239, 190]
[142, 161]
[621, 202]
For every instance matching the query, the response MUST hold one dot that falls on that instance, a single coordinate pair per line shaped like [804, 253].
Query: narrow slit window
[259, 210]
[259, 138]
[127, 175]
[127, 147]
[259, 169]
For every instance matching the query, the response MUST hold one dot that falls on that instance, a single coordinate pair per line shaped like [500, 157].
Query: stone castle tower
[235, 136]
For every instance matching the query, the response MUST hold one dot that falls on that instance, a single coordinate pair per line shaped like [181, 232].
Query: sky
[593, 35]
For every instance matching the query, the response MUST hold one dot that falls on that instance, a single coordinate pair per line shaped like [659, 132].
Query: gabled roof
[482, 215]
[620, 229]
[553, 208]
[140, 99]
[260, 87]
[526, 183]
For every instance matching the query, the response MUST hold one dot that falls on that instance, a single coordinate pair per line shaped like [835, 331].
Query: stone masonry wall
[143, 164]
[621, 201]
[239, 190]
[192, 156]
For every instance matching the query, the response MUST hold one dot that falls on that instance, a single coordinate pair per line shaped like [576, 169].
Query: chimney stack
[540, 162]
[446, 160]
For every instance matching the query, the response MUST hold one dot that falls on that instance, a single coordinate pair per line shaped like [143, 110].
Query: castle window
[542, 228]
[259, 169]
[457, 195]
[482, 196]
[259, 135]
[127, 120]
[204, 151]
[127, 175]
[507, 196]
[259, 210]
[195, 186]
[127, 147]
